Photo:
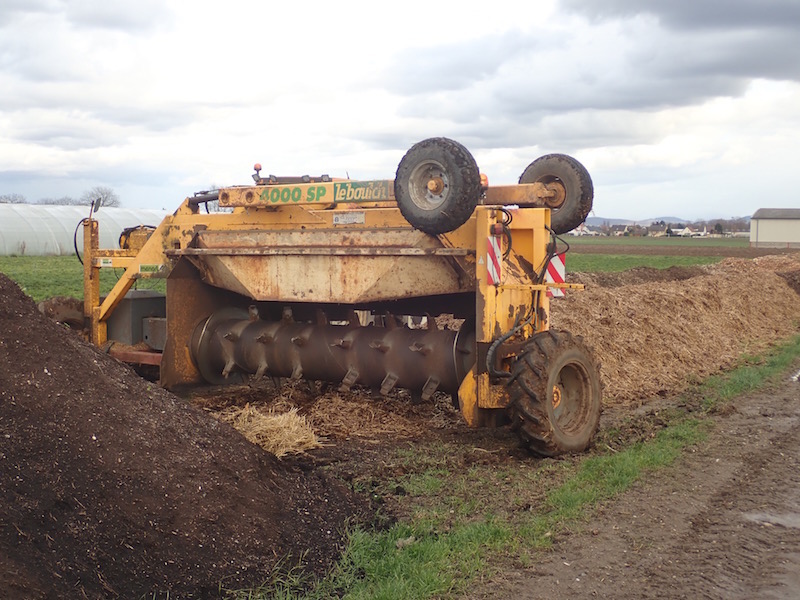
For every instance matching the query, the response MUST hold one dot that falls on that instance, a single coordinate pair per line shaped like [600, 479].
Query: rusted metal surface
[327, 265]
[421, 360]
[529, 195]
[321, 251]
[189, 302]
[134, 238]
[139, 357]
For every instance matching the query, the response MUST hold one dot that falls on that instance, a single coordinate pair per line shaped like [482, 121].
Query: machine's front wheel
[437, 185]
[572, 185]
[555, 394]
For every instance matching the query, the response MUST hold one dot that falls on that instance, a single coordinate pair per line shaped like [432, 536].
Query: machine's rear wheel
[555, 394]
[437, 185]
[572, 185]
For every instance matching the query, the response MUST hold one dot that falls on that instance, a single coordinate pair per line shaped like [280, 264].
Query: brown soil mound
[112, 487]
[655, 337]
[636, 275]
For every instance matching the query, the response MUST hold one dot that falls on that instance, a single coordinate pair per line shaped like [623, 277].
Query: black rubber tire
[450, 163]
[556, 394]
[577, 184]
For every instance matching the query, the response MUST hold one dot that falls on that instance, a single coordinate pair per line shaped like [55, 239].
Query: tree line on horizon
[716, 226]
[106, 195]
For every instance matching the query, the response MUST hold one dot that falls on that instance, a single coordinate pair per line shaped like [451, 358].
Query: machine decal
[362, 191]
[157, 268]
[356, 217]
[284, 194]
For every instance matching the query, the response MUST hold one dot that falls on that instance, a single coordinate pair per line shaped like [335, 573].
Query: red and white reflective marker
[493, 260]
[556, 271]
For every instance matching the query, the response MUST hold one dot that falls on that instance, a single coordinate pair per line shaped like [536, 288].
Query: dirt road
[723, 523]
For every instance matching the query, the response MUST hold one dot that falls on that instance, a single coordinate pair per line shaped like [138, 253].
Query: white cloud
[678, 109]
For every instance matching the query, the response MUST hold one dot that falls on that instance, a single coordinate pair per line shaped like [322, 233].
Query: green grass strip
[601, 478]
[43, 277]
[616, 263]
[670, 242]
[753, 374]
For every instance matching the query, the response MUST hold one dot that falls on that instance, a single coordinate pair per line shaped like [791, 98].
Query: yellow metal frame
[516, 303]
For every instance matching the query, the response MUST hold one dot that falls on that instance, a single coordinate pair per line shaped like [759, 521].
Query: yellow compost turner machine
[313, 277]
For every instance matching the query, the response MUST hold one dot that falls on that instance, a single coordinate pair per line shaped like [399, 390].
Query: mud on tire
[555, 393]
[437, 185]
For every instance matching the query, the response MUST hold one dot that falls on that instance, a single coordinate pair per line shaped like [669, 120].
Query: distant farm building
[39, 230]
[775, 228]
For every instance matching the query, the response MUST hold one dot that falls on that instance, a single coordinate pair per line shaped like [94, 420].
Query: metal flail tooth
[228, 367]
[349, 379]
[388, 383]
[423, 349]
[252, 312]
[431, 322]
[430, 388]
[265, 338]
[262, 368]
[342, 343]
[380, 346]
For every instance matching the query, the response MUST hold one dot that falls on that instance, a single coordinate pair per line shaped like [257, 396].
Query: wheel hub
[428, 185]
[436, 186]
[556, 397]
[559, 194]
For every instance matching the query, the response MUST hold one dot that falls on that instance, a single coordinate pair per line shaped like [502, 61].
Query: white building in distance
[775, 228]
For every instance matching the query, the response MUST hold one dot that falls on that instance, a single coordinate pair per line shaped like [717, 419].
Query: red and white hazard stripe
[493, 261]
[556, 272]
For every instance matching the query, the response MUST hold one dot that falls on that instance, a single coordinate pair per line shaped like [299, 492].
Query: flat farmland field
[615, 254]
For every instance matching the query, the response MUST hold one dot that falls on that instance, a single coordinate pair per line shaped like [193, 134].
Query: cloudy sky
[687, 108]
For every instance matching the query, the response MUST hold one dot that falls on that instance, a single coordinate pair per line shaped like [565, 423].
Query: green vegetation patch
[754, 372]
[672, 242]
[614, 263]
[43, 277]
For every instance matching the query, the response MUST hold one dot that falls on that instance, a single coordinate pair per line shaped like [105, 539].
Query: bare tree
[63, 201]
[212, 206]
[12, 199]
[106, 195]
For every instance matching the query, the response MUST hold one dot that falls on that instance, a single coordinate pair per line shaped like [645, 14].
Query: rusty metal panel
[328, 265]
[343, 279]
[189, 302]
